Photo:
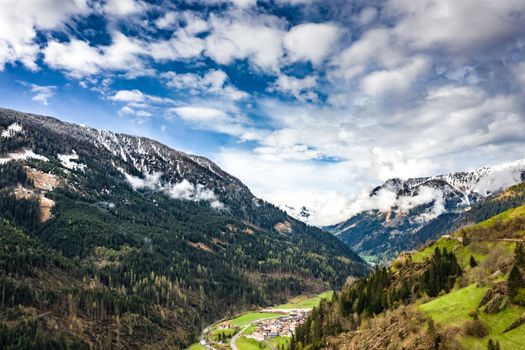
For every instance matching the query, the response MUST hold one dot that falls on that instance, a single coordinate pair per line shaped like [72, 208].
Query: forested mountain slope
[421, 209]
[464, 291]
[111, 240]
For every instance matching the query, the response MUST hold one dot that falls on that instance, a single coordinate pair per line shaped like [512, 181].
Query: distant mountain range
[465, 290]
[143, 243]
[407, 213]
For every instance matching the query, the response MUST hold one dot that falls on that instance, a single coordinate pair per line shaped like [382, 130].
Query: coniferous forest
[111, 266]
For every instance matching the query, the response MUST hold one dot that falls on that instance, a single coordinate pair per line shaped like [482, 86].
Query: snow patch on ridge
[22, 155]
[12, 130]
[67, 161]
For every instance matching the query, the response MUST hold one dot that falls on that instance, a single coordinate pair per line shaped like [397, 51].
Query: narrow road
[236, 336]
[203, 339]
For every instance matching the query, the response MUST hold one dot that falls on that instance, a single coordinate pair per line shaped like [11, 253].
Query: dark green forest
[381, 290]
[118, 267]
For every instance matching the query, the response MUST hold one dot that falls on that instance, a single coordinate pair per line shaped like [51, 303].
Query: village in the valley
[266, 329]
[281, 326]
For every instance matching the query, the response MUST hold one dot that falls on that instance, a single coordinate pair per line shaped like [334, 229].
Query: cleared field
[251, 344]
[196, 346]
[479, 250]
[280, 342]
[305, 302]
[228, 332]
[249, 317]
[453, 310]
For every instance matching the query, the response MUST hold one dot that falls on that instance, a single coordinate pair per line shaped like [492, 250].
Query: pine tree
[519, 255]
[464, 238]
[515, 281]
[492, 345]
[473, 262]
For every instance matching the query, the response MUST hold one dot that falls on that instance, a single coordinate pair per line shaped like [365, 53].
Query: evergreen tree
[473, 262]
[519, 255]
[493, 345]
[515, 281]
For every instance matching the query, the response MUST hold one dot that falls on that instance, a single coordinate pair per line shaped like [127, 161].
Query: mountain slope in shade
[406, 213]
[143, 243]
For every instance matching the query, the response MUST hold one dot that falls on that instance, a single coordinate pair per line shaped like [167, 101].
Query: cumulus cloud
[137, 96]
[395, 81]
[78, 59]
[456, 25]
[20, 21]
[300, 88]
[258, 39]
[124, 7]
[377, 45]
[311, 41]
[212, 82]
[138, 104]
[182, 45]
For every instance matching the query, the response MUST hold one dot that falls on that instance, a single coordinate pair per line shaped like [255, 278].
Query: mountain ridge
[159, 240]
[412, 211]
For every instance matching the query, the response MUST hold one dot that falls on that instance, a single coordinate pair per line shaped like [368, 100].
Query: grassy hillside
[441, 308]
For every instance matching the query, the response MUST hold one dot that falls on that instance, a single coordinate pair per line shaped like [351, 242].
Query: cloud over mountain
[353, 93]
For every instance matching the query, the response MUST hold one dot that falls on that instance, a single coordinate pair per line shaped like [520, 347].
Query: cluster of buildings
[282, 326]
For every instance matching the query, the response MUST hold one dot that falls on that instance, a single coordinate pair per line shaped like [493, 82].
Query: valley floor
[263, 329]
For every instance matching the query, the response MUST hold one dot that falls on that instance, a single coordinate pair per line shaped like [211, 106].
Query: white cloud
[20, 21]
[212, 82]
[201, 114]
[124, 7]
[294, 183]
[300, 88]
[367, 15]
[389, 164]
[129, 96]
[137, 96]
[213, 119]
[456, 25]
[128, 110]
[184, 190]
[78, 59]
[138, 103]
[244, 3]
[311, 41]
[187, 191]
[377, 46]
[41, 93]
[182, 45]
[191, 22]
[395, 81]
[519, 72]
[258, 39]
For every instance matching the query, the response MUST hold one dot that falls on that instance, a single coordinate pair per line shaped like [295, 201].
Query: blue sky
[308, 102]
